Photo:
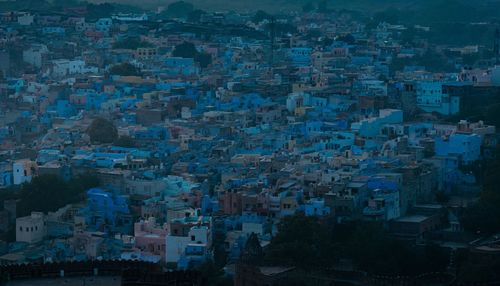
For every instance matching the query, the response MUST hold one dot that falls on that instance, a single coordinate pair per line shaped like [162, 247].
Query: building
[150, 238]
[31, 229]
[24, 171]
[466, 146]
[190, 231]
[432, 98]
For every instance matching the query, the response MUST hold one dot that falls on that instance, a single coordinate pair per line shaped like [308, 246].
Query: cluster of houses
[276, 124]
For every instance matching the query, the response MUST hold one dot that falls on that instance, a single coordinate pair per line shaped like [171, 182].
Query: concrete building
[24, 171]
[31, 229]
[432, 98]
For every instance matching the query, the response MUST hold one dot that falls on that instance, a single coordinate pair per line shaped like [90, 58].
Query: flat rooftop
[412, 218]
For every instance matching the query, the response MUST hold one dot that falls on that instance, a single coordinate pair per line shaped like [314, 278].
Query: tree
[252, 253]
[125, 69]
[323, 6]
[203, 59]
[97, 11]
[260, 16]
[125, 141]
[213, 275]
[102, 131]
[195, 15]
[308, 7]
[301, 241]
[484, 216]
[179, 9]
[188, 50]
[185, 50]
[313, 245]
[49, 193]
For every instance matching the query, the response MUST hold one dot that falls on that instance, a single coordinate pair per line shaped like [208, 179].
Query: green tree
[323, 6]
[195, 15]
[97, 11]
[308, 7]
[49, 193]
[185, 50]
[252, 252]
[125, 141]
[188, 50]
[260, 16]
[484, 216]
[102, 131]
[203, 59]
[125, 69]
[179, 9]
[301, 241]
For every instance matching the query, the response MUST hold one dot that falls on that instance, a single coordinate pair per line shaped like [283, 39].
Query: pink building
[150, 238]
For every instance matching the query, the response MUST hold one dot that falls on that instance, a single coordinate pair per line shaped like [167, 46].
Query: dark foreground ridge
[128, 272]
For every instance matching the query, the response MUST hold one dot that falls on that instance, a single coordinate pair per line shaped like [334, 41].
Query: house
[103, 25]
[150, 238]
[432, 98]
[371, 127]
[61, 68]
[316, 207]
[35, 55]
[414, 226]
[23, 171]
[106, 211]
[466, 146]
[25, 19]
[191, 234]
[300, 56]
[383, 205]
[31, 229]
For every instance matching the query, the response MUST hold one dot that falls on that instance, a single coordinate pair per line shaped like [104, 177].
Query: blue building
[107, 212]
[466, 146]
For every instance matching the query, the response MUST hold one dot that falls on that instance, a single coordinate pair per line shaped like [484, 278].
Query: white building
[31, 229]
[61, 68]
[35, 54]
[130, 17]
[24, 171]
[176, 245]
[26, 19]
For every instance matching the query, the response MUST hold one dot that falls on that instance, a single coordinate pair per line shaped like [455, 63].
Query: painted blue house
[300, 56]
[466, 146]
[65, 109]
[60, 31]
[316, 207]
[107, 212]
[184, 66]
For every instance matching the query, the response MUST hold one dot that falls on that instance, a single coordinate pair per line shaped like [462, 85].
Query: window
[193, 238]
[20, 228]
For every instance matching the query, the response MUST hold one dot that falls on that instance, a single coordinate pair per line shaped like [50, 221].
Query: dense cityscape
[316, 144]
